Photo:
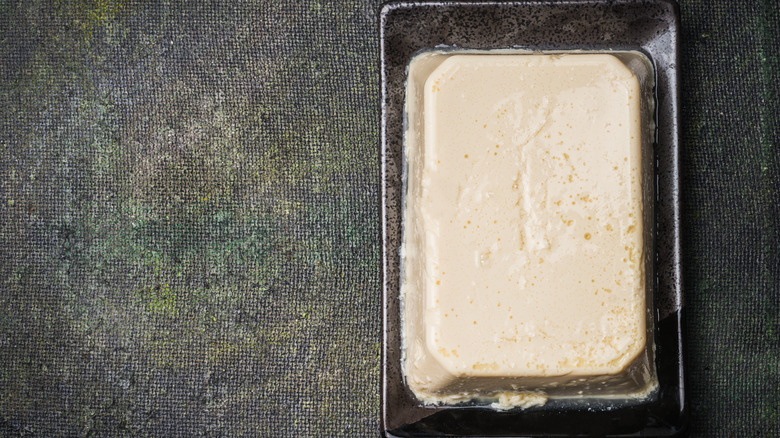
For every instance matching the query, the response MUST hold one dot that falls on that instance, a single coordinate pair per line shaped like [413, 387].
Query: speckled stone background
[189, 218]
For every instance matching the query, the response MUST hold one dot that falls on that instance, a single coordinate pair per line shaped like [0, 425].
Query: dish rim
[402, 414]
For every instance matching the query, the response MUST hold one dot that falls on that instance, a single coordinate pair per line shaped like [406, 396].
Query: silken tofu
[524, 248]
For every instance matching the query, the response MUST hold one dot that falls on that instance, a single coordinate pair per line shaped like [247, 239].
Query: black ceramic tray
[651, 27]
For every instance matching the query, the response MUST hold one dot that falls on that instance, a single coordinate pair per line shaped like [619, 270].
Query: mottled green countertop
[189, 218]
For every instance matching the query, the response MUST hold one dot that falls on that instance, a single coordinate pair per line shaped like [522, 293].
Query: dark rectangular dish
[651, 27]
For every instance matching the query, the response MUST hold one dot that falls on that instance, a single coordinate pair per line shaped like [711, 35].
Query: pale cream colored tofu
[523, 234]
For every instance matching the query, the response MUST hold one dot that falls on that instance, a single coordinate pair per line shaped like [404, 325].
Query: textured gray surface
[189, 218]
[731, 194]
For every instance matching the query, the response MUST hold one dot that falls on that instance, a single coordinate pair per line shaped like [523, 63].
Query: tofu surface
[523, 224]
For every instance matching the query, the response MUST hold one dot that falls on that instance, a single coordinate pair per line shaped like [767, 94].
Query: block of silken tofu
[524, 254]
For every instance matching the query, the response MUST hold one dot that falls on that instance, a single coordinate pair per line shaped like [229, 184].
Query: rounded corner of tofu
[448, 62]
[433, 82]
[429, 375]
[636, 349]
[617, 63]
[627, 357]
[444, 359]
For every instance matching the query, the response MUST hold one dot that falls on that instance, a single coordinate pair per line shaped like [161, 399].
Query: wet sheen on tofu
[523, 228]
